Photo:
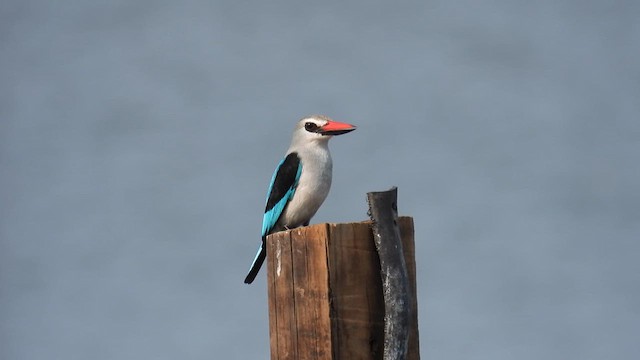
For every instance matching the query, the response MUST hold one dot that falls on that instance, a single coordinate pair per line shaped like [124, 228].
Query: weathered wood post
[326, 296]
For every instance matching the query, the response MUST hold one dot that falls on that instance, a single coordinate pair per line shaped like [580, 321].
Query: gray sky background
[137, 139]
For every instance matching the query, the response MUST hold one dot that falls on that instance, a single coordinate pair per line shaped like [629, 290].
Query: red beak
[336, 128]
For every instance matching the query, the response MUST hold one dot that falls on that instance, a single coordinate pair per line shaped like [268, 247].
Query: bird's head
[319, 128]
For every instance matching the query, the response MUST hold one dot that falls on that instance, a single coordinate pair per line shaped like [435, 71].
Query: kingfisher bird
[300, 182]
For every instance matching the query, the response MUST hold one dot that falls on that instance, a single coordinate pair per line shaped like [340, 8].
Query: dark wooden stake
[383, 211]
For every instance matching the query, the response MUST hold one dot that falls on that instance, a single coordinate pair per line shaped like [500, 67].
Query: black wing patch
[285, 178]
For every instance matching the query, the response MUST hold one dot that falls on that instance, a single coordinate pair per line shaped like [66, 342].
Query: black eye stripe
[311, 127]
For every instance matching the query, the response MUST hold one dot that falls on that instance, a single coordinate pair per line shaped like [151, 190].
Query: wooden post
[325, 292]
[383, 211]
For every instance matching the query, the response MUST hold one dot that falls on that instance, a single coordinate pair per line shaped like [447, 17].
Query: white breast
[313, 187]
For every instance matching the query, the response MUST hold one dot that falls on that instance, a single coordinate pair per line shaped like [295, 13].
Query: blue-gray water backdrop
[137, 139]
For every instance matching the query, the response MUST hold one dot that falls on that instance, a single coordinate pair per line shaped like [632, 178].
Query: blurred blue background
[137, 139]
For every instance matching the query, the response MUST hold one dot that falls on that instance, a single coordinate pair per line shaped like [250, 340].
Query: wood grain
[325, 292]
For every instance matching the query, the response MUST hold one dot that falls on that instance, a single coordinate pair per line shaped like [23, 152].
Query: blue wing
[281, 189]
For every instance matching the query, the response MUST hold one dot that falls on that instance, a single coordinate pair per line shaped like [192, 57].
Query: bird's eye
[311, 127]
